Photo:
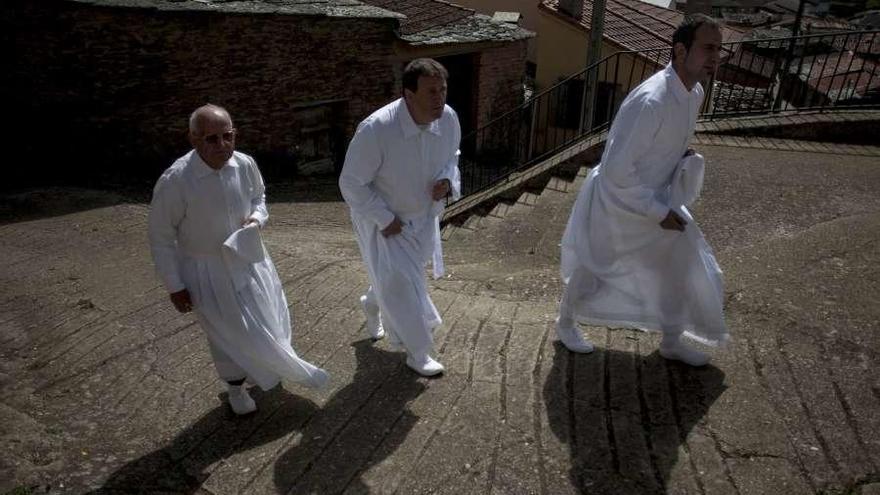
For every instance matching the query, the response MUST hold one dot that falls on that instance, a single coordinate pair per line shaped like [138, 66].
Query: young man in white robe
[204, 229]
[401, 165]
[632, 256]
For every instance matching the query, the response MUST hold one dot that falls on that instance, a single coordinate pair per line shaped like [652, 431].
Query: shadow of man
[360, 425]
[625, 417]
[181, 467]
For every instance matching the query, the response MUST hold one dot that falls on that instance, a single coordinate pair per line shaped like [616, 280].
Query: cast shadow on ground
[181, 466]
[329, 449]
[624, 417]
[361, 425]
[36, 204]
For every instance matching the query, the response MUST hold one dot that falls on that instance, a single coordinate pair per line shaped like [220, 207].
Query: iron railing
[755, 76]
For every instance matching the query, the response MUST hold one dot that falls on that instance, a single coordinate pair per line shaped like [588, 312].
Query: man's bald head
[207, 113]
[212, 135]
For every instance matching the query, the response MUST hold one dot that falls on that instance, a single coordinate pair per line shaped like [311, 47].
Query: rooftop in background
[869, 19]
[666, 4]
[429, 22]
[811, 22]
[751, 20]
[422, 22]
[329, 8]
[633, 24]
[786, 6]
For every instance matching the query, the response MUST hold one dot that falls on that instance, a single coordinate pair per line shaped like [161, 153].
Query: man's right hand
[393, 228]
[181, 301]
[673, 221]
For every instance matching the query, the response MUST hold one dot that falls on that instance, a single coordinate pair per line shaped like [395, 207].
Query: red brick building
[104, 87]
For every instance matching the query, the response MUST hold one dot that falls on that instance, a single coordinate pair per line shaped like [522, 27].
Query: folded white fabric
[241, 249]
[687, 181]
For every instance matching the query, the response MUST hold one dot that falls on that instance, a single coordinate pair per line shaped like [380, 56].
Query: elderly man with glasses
[204, 229]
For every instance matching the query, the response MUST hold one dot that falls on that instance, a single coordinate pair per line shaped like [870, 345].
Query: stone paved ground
[107, 390]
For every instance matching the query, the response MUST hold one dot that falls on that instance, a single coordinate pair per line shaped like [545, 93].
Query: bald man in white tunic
[204, 230]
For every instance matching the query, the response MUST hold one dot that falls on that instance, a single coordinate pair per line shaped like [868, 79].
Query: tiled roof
[863, 44]
[758, 19]
[825, 73]
[751, 62]
[786, 6]
[330, 8]
[434, 22]
[816, 23]
[634, 25]
[422, 22]
[471, 29]
[870, 19]
[423, 14]
[842, 70]
[741, 4]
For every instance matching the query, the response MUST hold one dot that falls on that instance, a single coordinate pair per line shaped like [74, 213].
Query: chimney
[574, 8]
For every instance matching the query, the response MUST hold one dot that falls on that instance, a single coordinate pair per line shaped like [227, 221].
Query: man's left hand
[250, 221]
[440, 190]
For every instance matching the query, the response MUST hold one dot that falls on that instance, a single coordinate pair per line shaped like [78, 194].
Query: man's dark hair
[687, 30]
[422, 67]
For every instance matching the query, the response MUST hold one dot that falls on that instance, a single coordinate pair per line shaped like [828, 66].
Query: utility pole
[594, 53]
[789, 54]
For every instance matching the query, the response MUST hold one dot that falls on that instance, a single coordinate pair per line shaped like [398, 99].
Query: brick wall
[107, 91]
[500, 80]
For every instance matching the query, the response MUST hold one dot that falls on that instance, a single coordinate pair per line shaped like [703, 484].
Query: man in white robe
[204, 223]
[401, 165]
[631, 257]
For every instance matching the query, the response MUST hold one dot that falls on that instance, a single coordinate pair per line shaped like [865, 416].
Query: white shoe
[374, 322]
[572, 339]
[685, 354]
[425, 366]
[240, 400]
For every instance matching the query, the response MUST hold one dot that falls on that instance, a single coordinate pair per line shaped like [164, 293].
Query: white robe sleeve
[362, 161]
[451, 171]
[166, 212]
[259, 212]
[630, 140]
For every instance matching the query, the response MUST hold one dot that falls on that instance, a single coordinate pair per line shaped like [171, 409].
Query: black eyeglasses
[227, 137]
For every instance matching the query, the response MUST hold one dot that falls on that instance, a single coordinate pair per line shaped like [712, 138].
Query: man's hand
[249, 221]
[673, 221]
[393, 228]
[440, 190]
[181, 301]
[689, 152]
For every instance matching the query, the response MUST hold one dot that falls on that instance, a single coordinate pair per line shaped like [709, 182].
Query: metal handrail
[756, 76]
